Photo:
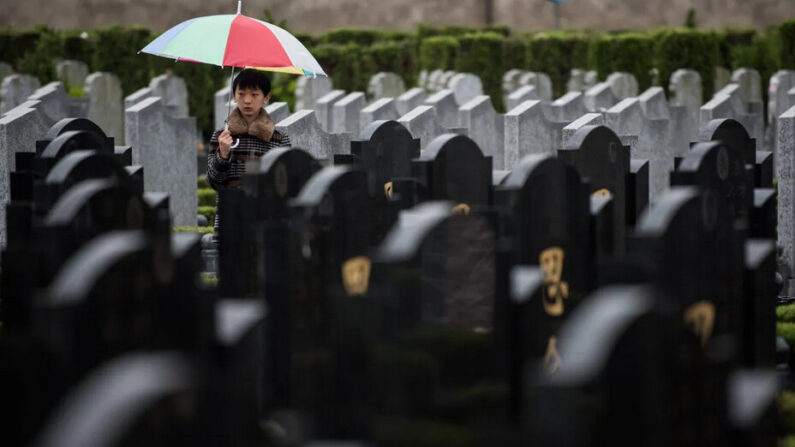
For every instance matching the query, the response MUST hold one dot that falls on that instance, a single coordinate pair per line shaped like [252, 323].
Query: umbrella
[235, 40]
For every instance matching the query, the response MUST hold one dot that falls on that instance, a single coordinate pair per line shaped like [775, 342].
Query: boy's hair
[250, 78]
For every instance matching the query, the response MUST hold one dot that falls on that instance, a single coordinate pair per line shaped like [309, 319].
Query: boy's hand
[224, 143]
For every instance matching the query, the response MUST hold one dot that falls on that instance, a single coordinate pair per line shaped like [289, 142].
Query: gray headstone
[778, 102]
[72, 73]
[54, 102]
[685, 88]
[423, 123]
[728, 103]
[104, 94]
[278, 111]
[173, 91]
[15, 90]
[305, 133]
[465, 87]
[520, 95]
[224, 104]
[444, 80]
[654, 104]
[722, 77]
[785, 173]
[323, 108]
[624, 84]
[599, 98]
[510, 81]
[576, 81]
[422, 79]
[141, 94]
[627, 118]
[345, 114]
[309, 90]
[591, 78]
[19, 130]
[409, 100]
[750, 84]
[5, 70]
[528, 130]
[589, 119]
[385, 85]
[446, 107]
[433, 80]
[165, 146]
[541, 81]
[567, 108]
[485, 127]
[382, 109]
[778, 99]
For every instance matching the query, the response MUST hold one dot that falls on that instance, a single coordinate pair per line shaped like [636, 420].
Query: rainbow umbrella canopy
[235, 40]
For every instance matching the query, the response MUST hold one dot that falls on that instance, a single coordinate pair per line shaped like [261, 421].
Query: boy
[251, 134]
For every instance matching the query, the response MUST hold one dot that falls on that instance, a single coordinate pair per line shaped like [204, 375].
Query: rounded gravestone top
[465, 86]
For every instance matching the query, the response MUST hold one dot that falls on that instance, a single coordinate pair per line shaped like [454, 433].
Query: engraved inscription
[356, 275]
[700, 317]
[555, 290]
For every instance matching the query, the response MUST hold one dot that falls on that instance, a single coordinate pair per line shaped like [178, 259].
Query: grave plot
[602, 161]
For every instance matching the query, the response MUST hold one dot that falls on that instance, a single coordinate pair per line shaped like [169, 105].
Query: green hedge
[556, 53]
[628, 52]
[514, 53]
[481, 54]
[16, 43]
[208, 212]
[342, 36]
[439, 52]
[686, 48]
[398, 57]
[206, 197]
[343, 64]
[786, 313]
[730, 38]
[786, 35]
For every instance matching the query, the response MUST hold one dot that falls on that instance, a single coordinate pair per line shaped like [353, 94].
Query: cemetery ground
[447, 254]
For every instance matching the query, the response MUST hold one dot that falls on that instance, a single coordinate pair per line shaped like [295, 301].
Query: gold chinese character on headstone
[701, 319]
[604, 192]
[388, 190]
[356, 275]
[555, 290]
[462, 209]
[551, 358]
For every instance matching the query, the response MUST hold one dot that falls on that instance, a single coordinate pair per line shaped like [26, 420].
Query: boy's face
[250, 101]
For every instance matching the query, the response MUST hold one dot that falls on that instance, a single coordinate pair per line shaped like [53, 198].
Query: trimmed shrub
[627, 52]
[786, 330]
[397, 57]
[14, 44]
[481, 54]
[206, 197]
[786, 408]
[686, 48]
[208, 212]
[78, 48]
[116, 51]
[514, 53]
[342, 64]
[731, 37]
[40, 62]
[343, 36]
[201, 182]
[504, 30]
[440, 52]
[556, 53]
[786, 34]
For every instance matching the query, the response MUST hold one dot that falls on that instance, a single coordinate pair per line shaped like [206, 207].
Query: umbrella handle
[237, 141]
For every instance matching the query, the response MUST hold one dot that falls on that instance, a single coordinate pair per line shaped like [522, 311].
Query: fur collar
[262, 127]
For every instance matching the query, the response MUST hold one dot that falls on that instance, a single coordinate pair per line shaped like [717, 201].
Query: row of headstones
[401, 281]
[404, 288]
[108, 338]
[657, 129]
[163, 136]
